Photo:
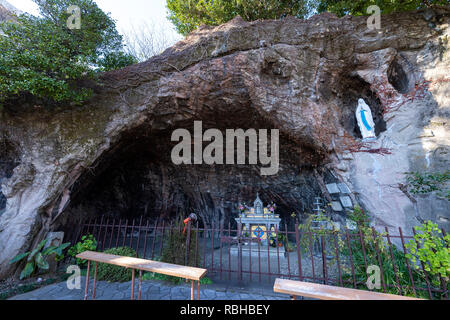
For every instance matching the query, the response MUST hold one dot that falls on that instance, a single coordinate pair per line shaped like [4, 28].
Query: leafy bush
[37, 259]
[187, 15]
[431, 249]
[87, 243]
[40, 57]
[175, 280]
[112, 273]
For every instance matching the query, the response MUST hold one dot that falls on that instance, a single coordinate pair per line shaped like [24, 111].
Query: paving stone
[150, 291]
[344, 188]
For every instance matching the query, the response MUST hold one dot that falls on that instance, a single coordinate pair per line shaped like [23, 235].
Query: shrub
[175, 247]
[188, 15]
[37, 259]
[41, 58]
[425, 183]
[112, 273]
[175, 280]
[393, 264]
[327, 229]
[87, 243]
[431, 249]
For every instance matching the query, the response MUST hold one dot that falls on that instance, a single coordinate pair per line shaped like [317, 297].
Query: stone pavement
[151, 290]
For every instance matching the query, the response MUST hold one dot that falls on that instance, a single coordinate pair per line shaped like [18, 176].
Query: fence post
[188, 243]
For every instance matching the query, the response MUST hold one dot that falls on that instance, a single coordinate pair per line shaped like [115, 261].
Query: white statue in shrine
[365, 120]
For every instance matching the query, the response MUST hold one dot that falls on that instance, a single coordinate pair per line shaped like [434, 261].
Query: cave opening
[9, 159]
[136, 178]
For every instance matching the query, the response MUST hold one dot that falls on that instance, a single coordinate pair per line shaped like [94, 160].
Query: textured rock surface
[302, 77]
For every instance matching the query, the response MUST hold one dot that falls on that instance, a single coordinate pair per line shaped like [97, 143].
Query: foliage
[37, 259]
[368, 247]
[111, 273]
[175, 246]
[24, 288]
[116, 60]
[359, 216]
[423, 183]
[432, 249]
[87, 243]
[188, 15]
[358, 8]
[42, 58]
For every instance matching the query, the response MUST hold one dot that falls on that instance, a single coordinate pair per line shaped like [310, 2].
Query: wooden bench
[323, 292]
[190, 273]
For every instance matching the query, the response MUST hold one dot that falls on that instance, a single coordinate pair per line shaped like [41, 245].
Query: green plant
[187, 15]
[368, 248]
[37, 259]
[175, 246]
[423, 183]
[87, 243]
[111, 273]
[432, 249]
[42, 60]
[311, 234]
[344, 7]
[174, 280]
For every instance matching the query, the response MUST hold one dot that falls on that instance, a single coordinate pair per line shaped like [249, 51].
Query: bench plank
[324, 292]
[185, 272]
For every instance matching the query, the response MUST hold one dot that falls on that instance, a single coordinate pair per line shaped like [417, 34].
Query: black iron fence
[339, 257]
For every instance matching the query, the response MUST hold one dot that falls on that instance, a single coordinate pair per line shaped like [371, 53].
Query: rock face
[112, 155]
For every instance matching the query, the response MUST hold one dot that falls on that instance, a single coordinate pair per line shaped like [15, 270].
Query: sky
[127, 13]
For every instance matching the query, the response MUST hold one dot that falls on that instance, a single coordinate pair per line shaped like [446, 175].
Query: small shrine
[258, 221]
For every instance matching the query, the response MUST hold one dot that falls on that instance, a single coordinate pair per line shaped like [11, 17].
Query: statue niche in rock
[365, 121]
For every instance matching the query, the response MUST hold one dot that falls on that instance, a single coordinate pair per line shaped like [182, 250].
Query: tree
[188, 15]
[42, 58]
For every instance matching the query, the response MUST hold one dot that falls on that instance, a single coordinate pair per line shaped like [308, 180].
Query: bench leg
[132, 284]
[198, 290]
[87, 281]
[192, 290]
[140, 284]
[95, 281]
